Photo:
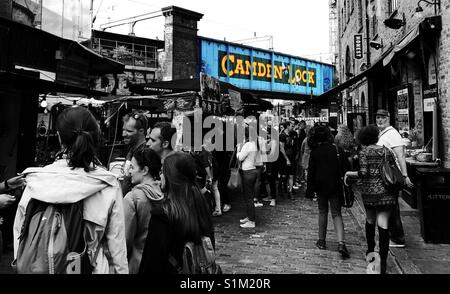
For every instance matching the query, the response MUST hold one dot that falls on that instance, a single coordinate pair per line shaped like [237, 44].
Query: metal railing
[127, 53]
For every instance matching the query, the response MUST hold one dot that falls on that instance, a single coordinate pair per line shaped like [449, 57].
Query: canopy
[183, 85]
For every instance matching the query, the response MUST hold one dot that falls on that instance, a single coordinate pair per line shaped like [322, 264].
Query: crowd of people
[167, 198]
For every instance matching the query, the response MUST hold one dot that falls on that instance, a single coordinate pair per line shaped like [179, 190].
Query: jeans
[396, 232]
[259, 170]
[335, 207]
[248, 183]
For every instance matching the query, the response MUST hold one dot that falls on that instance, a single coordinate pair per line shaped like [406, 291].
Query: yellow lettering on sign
[247, 67]
[255, 72]
[298, 75]
[304, 76]
[239, 67]
[261, 69]
[311, 77]
[224, 64]
[278, 72]
[269, 73]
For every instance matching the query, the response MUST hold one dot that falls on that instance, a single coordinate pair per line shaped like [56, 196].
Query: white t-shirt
[248, 155]
[391, 138]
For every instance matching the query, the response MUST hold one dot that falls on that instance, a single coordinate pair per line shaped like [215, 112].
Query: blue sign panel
[258, 69]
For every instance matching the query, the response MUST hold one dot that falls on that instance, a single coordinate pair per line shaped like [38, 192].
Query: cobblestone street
[284, 241]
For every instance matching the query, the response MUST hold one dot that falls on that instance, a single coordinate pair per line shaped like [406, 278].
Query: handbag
[346, 195]
[390, 173]
[235, 180]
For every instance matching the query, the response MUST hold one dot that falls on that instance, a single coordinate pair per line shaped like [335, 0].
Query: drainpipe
[369, 88]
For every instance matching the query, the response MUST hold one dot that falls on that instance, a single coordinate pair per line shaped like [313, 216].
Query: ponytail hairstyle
[80, 135]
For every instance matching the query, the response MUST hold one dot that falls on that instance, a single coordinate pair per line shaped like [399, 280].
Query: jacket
[102, 209]
[325, 172]
[137, 207]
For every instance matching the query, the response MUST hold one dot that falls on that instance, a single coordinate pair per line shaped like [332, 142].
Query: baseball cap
[383, 112]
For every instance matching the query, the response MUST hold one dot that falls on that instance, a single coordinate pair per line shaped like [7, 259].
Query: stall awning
[33, 84]
[183, 85]
[409, 37]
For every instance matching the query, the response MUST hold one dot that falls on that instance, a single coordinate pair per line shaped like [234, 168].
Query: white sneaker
[267, 199]
[272, 203]
[244, 220]
[258, 204]
[226, 208]
[248, 225]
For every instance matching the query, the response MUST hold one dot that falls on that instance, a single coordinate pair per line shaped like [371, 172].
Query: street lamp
[436, 3]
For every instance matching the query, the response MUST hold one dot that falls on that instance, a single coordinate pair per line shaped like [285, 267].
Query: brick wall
[180, 50]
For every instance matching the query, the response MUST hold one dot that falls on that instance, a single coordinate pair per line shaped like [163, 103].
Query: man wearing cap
[391, 138]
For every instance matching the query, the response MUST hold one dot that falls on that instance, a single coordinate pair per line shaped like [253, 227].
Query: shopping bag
[235, 180]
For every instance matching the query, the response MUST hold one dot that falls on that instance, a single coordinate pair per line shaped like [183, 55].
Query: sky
[298, 27]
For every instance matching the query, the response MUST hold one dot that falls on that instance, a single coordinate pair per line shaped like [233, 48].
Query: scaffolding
[333, 23]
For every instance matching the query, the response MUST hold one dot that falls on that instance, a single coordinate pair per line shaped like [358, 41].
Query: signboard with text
[358, 47]
[259, 69]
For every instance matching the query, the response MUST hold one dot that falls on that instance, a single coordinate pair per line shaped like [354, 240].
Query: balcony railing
[127, 53]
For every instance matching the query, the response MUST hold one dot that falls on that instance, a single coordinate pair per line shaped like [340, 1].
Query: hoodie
[102, 209]
[137, 206]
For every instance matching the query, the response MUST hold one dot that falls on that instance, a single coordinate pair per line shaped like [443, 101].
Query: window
[342, 21]
[345, 11]
[360, 14]
[374, 21]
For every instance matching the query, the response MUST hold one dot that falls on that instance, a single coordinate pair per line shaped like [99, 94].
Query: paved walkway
[284, 241]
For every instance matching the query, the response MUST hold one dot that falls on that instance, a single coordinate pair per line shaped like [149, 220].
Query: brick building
[395, 55]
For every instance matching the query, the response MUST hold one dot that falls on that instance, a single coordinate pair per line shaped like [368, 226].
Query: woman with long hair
[183, 216]
[78, 176]
[324, 178]
[378, 201]
[144, 169]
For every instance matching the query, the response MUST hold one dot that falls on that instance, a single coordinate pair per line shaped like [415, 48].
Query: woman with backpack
[324, 178]
[183, 216]
[77, 182]
[378, 201]
[144, 169]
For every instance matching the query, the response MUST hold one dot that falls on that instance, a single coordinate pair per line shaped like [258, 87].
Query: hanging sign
[358, 47]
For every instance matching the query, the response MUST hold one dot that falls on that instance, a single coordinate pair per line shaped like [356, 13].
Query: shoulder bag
[235, 181]
[346, 195]
[390, 173]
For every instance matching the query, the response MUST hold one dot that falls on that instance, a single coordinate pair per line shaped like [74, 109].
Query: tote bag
[235, 181]
[347, 196]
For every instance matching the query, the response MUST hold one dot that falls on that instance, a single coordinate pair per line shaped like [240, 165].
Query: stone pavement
[284, 241]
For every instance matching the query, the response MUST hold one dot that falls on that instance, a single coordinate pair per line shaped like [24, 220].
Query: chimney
[180, 43]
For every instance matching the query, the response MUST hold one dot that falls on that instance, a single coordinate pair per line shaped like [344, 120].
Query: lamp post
[436, 3]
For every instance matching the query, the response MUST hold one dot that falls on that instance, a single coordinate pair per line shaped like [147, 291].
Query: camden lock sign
[263, 70]
[240, 66]
[358, 47]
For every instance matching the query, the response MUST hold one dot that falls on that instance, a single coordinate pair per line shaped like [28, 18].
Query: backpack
[198, 259]
[51, 240]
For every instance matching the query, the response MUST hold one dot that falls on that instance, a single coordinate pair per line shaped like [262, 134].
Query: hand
[6, 200]
[408, 182]
[345, 179]
[17, 182]
[288, 162]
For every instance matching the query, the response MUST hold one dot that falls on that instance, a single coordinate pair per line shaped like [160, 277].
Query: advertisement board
[259, 69]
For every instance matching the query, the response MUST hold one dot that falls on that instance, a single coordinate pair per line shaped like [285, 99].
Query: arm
[130, 220]
[6, 200]
[283, 152]
[115, 236]
[243, 153]
[13, 183]
[400, 153]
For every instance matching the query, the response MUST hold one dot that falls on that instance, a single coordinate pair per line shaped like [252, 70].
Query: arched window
[363, 100]
[360, 13]
[348, 64]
